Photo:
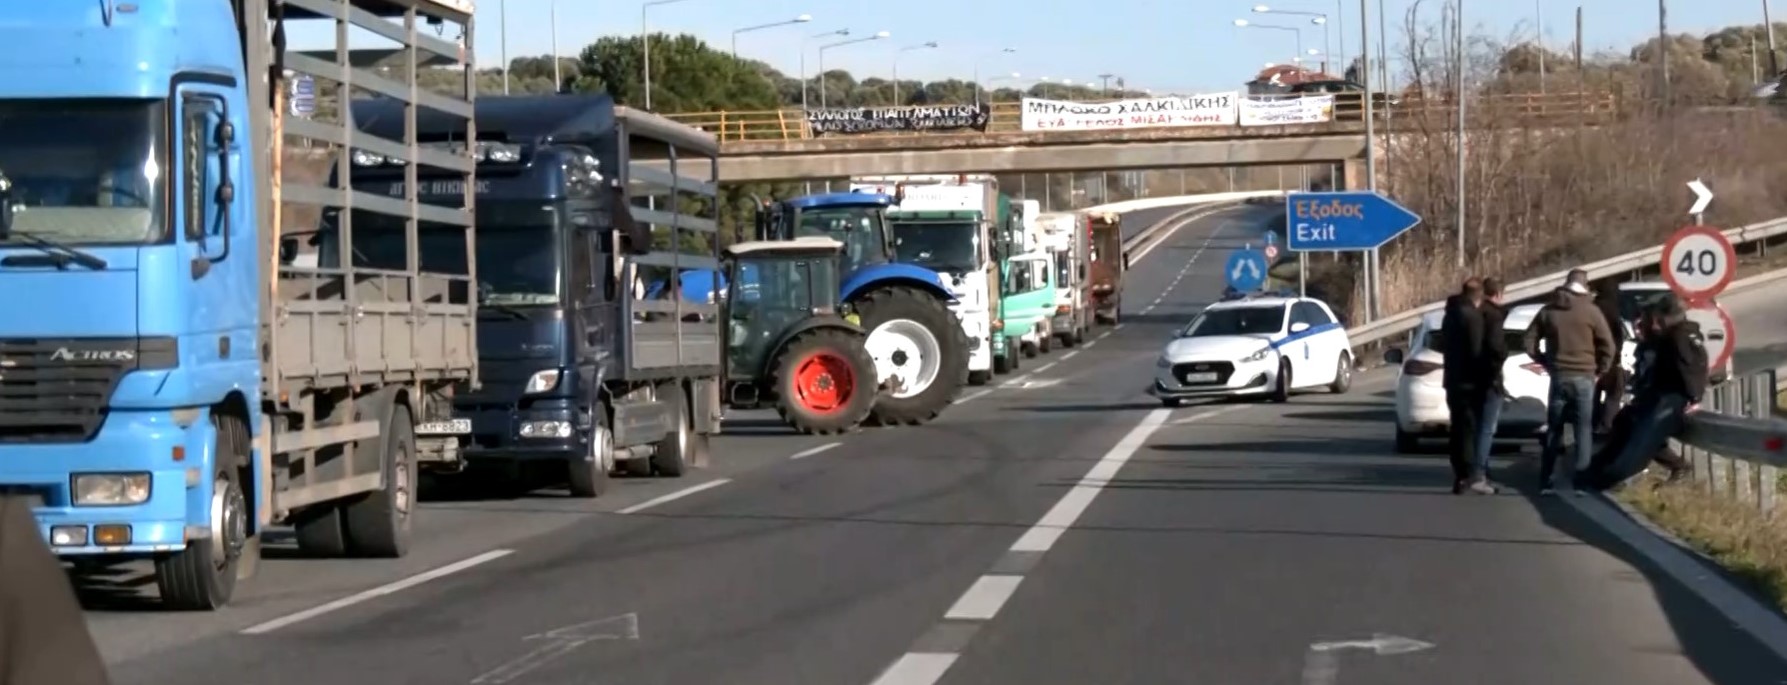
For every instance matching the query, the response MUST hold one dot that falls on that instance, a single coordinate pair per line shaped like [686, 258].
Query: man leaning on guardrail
[1671, 381]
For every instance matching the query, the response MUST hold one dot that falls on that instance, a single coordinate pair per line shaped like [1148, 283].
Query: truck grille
[56, 390]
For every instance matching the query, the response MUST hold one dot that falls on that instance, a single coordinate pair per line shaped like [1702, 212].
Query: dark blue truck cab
[580, 370]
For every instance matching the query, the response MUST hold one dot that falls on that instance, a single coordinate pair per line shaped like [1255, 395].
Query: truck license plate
[1200, 378]
[448, 427]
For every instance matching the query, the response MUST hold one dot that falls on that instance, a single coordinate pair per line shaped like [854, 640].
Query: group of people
[1576, 338]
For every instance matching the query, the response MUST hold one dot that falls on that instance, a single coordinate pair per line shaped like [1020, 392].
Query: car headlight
[543, 381]
[1259, 355]
[1163, 362]
[110, 489]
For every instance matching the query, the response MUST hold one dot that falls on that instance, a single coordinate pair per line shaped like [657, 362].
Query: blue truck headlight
[546, 429]
[109, 489]
[1259, 355]
[543, 381]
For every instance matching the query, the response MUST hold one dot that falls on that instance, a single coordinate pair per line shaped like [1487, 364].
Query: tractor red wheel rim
[824, 383]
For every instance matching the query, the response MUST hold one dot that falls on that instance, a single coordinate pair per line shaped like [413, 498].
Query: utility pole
[1539, 39]
[1774, 67]
[1458, 49]
[1105, 80]
[1663, 50]
[1373, 271]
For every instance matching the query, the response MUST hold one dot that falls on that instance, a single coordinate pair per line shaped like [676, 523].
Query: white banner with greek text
[1215, 109]
[1313, 109]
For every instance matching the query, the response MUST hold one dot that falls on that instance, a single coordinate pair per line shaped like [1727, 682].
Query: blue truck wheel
[202, 577]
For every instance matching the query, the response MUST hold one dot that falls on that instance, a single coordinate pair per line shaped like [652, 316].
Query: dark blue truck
[583, 370]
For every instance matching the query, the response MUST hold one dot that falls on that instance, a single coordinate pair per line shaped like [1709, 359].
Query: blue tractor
[920, 351]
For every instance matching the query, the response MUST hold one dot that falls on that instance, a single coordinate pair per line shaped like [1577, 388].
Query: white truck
[944, 222]
[1066, 238]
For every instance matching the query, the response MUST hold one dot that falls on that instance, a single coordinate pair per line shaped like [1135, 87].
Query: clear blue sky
[1189, 45]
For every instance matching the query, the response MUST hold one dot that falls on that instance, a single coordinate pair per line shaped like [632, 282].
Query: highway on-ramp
[1060, 527]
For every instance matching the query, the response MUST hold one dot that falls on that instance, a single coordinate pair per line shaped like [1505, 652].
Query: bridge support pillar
[1352, 175]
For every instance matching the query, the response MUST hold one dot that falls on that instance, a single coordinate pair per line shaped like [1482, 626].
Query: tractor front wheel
[825, 382]
[920, 353]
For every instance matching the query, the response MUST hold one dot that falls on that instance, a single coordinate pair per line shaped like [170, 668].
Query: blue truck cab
[552, 370]
[135, 218]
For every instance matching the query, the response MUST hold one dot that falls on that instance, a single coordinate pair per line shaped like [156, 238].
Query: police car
[1255, 345]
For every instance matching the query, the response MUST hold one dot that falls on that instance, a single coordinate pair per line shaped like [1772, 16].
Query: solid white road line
[377, 592]
[984, 598]
[814, 450]
[674, 496]
[917, 668]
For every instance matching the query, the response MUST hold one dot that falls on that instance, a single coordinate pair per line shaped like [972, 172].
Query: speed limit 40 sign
[1698, 263]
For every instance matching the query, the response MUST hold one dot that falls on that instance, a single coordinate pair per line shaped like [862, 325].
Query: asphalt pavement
[1060, 527]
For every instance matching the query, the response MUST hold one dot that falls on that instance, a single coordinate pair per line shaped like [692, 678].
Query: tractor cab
[786, 344]
[856, 220]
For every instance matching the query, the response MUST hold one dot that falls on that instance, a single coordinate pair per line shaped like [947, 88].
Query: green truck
[1026, 286]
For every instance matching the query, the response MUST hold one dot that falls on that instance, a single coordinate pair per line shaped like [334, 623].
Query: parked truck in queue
[1108, 266]
[1070, 245]
[590, 364]
[1027, 294]
[171, 386]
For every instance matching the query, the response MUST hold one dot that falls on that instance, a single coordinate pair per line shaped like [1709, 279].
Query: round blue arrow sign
[1245, 270]
[1271, 237]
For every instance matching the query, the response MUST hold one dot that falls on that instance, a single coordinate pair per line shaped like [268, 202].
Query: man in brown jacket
[43, 635]
[1571, 340]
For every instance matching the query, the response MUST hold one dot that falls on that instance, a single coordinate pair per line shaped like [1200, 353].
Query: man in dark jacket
[1493, 355]
[1610, 388]
[1604, 472]
[1461, 330]
[1674, 381]
[1570, 339]
[43, 635]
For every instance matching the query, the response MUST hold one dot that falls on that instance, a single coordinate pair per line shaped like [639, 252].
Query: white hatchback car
[1255, 346]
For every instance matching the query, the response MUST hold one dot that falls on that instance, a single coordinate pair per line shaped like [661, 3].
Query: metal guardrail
[1737, 443]
[1006, 116]
[1403, 322]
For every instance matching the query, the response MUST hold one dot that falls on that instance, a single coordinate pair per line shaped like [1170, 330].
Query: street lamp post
[645, 39]
[928, 45]
[983, 58]
[502, 14]
[558, 77]
[1297, 58]
[803, 61]
[878, 36]
[1317, 18]
[802, 19]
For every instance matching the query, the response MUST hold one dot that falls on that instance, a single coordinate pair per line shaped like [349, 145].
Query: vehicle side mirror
[1393, 356]
[1299, 327]
[288, 250]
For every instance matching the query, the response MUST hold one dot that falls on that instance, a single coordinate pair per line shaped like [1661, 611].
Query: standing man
[1610, 388]
[1495, 354]
[1461, 328]
[1570, 339]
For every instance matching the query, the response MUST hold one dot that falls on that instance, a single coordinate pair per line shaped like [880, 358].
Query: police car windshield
[86, 172]
[1264, 320]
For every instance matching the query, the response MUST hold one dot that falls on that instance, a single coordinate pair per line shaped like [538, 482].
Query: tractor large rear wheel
[825, 382]
[920, 353]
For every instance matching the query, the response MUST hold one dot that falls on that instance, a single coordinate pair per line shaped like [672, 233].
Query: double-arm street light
[1001, 53]
[1317, 18]
[645, 37]
[803, 60]
[1298, 56]
[928, 45]
[878, 36]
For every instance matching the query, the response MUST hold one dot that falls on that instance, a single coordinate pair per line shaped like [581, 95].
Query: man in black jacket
[1461, 328]
[1610, 388]
[1672, 378]
[43, 635]
[1493, 355]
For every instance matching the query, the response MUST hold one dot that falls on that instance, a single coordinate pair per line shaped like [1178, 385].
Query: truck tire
[904, 323]
[676, 450]
[320, 532]
[202, 577]
[980, 377]
[588, 476]
[378, 524]
[825, 382]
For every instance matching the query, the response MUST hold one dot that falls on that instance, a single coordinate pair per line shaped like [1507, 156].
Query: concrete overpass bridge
[781, 145]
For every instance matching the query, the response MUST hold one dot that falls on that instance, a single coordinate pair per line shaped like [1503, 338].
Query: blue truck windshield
[858, 227]
[943, 246]
[517, 251]
[89, 171]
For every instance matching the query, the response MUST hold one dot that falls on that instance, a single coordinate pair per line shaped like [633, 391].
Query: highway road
[1058, 528]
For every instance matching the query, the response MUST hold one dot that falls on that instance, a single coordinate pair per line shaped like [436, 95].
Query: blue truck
[919, 348]
[588, 363]
[168, 390]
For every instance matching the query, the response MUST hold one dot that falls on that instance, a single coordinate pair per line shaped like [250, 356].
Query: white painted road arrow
[1322, 664]
[1703, 196]
[561, 641]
